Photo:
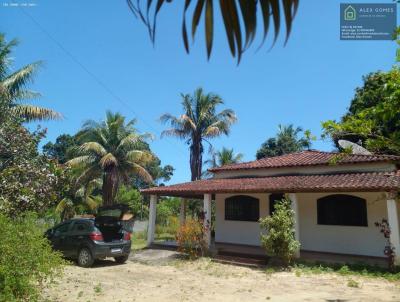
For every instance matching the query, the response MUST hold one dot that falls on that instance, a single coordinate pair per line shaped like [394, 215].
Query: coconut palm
[14, 86]
[79, 200]
[111, 150]
[240, 18]
[199, 123]
[224, 157]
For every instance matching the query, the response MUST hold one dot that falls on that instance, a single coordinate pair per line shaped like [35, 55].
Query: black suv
[87, 239]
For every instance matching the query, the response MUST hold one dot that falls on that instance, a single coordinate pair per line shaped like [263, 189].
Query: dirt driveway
[148, 278]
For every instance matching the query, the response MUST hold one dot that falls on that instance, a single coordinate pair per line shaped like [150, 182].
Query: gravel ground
[159, 275]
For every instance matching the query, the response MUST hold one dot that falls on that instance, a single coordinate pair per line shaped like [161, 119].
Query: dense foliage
[62, 149]
[373, 119]
[28, 181]
[26, 259]
[279, 238]
[286, 141]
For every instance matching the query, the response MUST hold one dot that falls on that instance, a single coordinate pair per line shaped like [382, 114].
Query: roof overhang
[345, 182]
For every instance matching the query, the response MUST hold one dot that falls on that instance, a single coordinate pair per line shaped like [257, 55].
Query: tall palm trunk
[110, 185]
[196, 159]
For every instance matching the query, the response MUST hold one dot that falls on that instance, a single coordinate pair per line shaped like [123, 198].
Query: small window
[242, 208]
[342, 209]
[273, 199]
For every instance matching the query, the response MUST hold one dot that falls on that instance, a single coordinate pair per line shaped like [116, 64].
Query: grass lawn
[138, 243]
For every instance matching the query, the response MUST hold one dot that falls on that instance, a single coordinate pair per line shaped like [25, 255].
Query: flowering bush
[190, 238]
[28, 181]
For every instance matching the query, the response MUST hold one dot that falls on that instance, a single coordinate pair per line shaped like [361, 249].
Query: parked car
[88, 239]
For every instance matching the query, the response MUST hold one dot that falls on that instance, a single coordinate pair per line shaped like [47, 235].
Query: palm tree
[13, 86]
[239, 18]
[198, 124]
[286, 141]
[111, 150]
[79, 200]
[224, 157]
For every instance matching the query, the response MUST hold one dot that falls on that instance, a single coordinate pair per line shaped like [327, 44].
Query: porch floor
[239, 251]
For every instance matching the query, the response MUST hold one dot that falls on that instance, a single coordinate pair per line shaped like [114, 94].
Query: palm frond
[140, 171]
[139, 156]
[175, 132]
[26, 95]
[35, 113]
[81, 160]
[92, 147]
[63, 205]
[108, 160]
[239, 18]
[20, 78]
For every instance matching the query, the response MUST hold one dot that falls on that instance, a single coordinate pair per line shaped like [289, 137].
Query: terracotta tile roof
[308, 158]
[346, 182]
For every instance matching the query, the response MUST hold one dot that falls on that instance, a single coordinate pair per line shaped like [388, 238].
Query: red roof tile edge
[299, 159]
[345, 182]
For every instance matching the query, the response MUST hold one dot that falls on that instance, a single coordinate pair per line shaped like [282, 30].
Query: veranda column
[182, 213]
[207, 218]
[152, 219]
[393, 220]
[295, 208]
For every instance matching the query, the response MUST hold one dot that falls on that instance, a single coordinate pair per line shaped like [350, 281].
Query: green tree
[62, 148]
[78, 198]
[111, 150]
[240, 19]
[279, 238]
[373, 119]
[224, 157]
[199, 123]
[286, 141]
[14, 85]
[133, 198]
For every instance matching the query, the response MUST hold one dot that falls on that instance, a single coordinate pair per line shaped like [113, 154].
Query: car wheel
[121, 259]
[85, 258]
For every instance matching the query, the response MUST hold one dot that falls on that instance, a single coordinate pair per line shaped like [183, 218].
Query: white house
[336, 198]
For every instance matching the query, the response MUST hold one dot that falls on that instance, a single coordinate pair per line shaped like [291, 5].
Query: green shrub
[27, 261]
[279, 239]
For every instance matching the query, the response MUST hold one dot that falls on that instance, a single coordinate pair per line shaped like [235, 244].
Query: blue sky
[98, 57]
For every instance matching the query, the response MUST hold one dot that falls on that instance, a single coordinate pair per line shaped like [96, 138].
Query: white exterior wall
[240, 232]
[313, 237]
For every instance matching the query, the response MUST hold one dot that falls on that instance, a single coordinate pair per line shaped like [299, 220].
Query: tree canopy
[373, 118]
[286, 141]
